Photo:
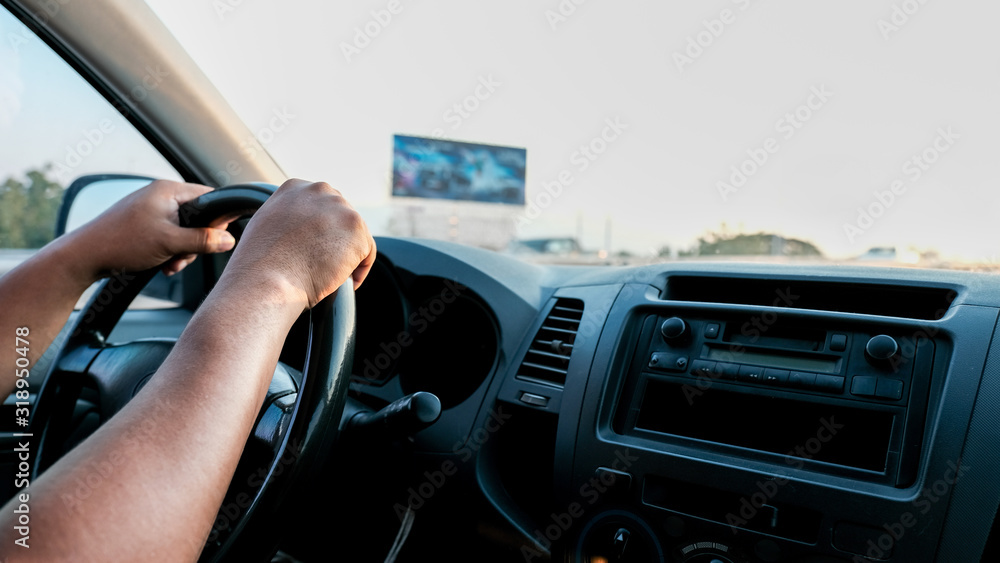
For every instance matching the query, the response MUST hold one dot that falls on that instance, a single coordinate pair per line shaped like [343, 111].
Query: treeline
[755, 244]
[29, 207]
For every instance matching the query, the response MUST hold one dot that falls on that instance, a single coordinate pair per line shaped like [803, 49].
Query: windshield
[851, 131]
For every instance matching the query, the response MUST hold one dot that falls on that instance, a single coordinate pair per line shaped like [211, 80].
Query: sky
[851, 124]
[49, 115]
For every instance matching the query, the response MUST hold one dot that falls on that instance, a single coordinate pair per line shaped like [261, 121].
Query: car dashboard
[715, 412]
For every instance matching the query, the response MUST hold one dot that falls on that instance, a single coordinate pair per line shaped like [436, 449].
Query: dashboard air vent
[548, 356]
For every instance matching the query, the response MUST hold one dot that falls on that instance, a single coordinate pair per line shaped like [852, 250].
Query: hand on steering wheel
[298, 422]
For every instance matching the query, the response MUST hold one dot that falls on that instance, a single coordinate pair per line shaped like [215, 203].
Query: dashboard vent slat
[547, 360]
[547, 355]
[562, 331]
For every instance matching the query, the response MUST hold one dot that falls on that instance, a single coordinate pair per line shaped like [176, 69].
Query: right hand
[141, 231]
[309, 236]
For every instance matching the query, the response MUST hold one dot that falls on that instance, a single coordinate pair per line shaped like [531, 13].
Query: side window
[54, 127]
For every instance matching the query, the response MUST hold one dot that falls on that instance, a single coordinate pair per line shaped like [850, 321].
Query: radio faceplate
[834, 399]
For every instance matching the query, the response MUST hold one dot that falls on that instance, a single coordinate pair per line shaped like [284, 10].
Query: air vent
[548, 357]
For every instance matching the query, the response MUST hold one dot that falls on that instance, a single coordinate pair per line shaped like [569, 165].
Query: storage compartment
[913, 302]
[827, 432]
[734, 509]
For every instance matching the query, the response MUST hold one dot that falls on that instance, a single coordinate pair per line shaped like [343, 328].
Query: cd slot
[770, 358]
[768, 330]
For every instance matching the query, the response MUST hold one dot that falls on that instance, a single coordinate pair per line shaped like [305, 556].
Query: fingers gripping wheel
[116, 293]
[252, 533]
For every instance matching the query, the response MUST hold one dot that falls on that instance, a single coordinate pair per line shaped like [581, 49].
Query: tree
[28, 209]
[761, 244]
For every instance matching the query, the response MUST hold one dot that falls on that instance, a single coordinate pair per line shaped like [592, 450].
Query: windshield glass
[853, 131]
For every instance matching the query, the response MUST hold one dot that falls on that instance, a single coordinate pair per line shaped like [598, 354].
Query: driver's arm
[139, 232]
[161, 500]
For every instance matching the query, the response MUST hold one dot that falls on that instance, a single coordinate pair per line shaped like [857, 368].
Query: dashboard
[713, 412]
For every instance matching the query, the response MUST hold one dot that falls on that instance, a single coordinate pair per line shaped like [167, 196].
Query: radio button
[801, 379]
[881, 350]
[727, 371]
[702, 368]
[863, 385]
[674, 330]
[664, 361]
[752, 374]
[829, 383]
[889, 389]
[776, 376]
[838, 343]
[712, 330]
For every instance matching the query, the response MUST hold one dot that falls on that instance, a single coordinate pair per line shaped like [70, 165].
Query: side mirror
[89, 196]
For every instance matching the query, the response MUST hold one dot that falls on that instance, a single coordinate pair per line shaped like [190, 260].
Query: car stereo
[849, 400]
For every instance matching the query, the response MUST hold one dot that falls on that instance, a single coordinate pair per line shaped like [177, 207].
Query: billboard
[440, 169]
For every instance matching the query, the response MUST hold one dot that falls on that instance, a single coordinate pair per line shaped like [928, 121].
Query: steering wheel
[89, 380]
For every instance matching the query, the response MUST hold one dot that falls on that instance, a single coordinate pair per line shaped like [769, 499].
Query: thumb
[205, 241]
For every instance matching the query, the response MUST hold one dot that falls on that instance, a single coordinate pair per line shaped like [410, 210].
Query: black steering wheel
[89, 380]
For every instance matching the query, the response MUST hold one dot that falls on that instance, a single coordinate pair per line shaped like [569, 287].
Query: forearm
[38, 294]
[173, 449]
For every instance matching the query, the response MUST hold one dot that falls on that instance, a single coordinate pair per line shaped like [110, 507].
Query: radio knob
[673, 329]
[880, 349]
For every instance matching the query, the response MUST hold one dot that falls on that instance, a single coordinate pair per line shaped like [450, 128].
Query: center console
[751, 431]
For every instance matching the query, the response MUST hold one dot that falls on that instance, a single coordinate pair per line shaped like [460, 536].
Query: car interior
[488, 408]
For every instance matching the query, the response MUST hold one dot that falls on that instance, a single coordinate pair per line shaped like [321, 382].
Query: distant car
[879, 253]
[559, 246]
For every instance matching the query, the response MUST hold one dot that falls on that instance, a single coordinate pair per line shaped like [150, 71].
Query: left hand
[142, 231]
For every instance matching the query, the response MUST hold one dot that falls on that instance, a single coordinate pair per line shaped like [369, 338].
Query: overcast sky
[834, 101]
